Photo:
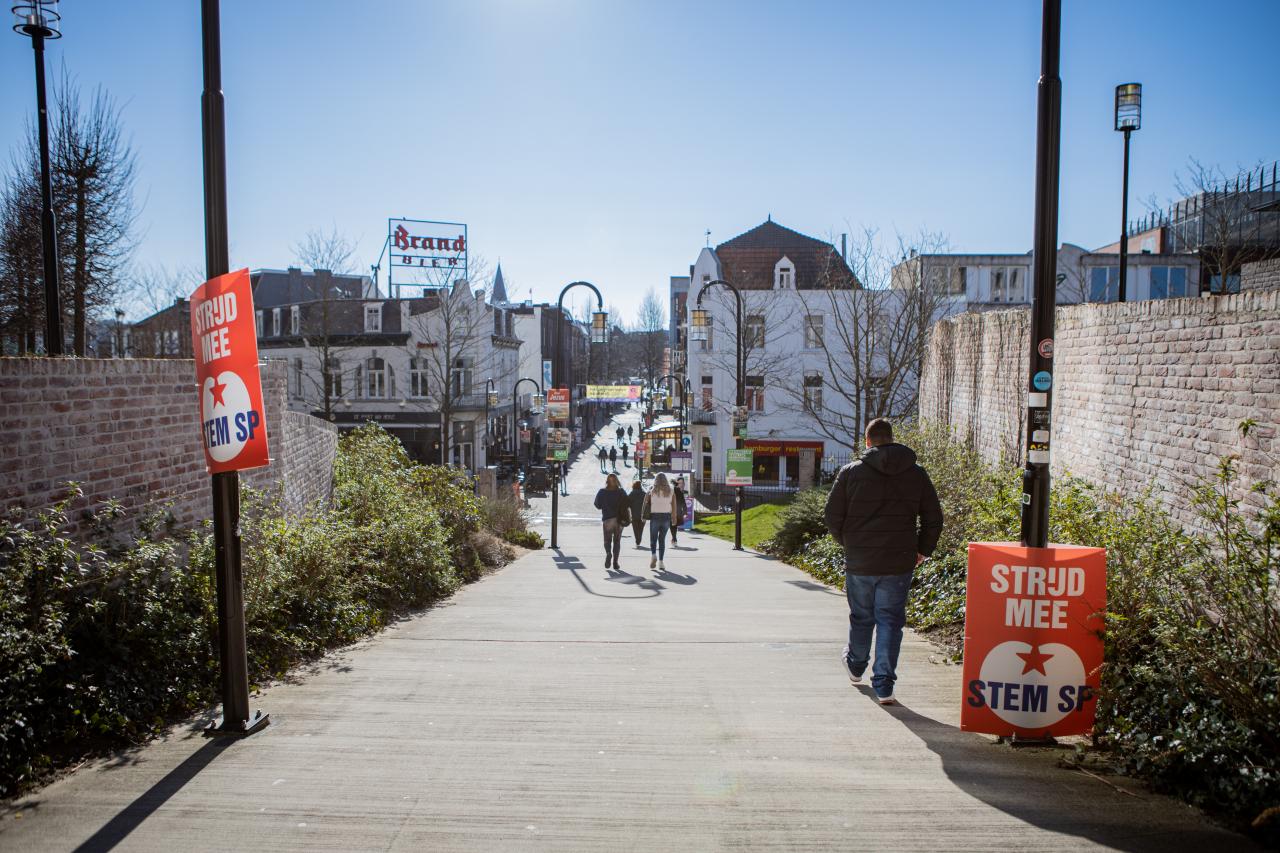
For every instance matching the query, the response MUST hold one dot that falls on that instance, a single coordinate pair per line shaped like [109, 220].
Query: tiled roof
[286, 287]
[748, 260]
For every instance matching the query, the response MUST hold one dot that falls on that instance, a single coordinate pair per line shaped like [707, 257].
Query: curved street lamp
[490, 402]
[699, 329]
[40, 20]
[599, 335]
[539, 400]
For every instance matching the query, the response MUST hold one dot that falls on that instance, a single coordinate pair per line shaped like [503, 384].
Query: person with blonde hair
[615, 513]
[659, 506]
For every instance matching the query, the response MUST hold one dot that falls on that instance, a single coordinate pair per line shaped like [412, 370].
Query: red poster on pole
[557, 404]
[233, 425]
[1032, 639]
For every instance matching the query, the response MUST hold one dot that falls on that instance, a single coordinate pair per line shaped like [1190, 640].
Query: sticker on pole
[1043, 380]
[737, 467]
[1032, 639]
[1045, 348]
[233, 426]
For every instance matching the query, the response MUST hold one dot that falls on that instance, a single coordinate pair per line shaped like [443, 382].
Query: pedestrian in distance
[613, 459]
[624, 456]
[615, 513]
[682, 508]
[636, 498]
[659, 506]
[564, 480]
[884, 512]
[628, 432]
[618, 433]
[603, 457]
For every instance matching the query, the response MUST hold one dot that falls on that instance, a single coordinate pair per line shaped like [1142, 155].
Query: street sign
[233, 427]
[558, 445]
[737, 467]
[686, 440]
[642, 449]
[1033, 639]
[681, 462]
[558, 404]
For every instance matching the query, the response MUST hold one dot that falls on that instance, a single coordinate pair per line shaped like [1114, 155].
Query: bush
[799, 523]
[105, 641]
[526, 539]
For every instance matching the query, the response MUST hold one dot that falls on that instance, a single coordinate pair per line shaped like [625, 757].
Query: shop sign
[737, 467]
[767, 447]
[613, 393]
[233, 427]
[426, 253]
[1033, 639]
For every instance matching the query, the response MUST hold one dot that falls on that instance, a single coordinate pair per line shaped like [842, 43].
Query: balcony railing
[702, 416]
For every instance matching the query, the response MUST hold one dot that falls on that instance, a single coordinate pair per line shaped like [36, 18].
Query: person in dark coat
[636, 499]
[613, 458]
[625, 453]
[682, 508]
[884, 512]
[629, 433]
[602, 456]
[615, 512]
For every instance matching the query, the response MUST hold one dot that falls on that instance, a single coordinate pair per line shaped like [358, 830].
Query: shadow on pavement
[671, 577]
[815, 587]
[1043, 797]
[574, 565]
[619, 576]
[119, 827]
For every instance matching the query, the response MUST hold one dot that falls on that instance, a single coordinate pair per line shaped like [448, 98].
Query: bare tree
[872, 341]
[321, 251]
[651, 336]
[21, 264]
[93, 169]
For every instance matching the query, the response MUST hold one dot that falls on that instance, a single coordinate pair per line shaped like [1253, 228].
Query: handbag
[624, 513]
[645, 511]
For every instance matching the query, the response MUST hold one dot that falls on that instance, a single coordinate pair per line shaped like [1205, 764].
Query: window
[461, 377]
[708, 398]
[417, 377]
[373, 317]
[959, 281]
[997, 285]
[783, 274]
[753, 393]
[1168, 282]
[295, 320]
[333, 378]
[753, 332]
[813, 331]
[297, 379]
[1016, 281]
[275, 322]
[813, 392]
[1104, 284]
[375, 378]
[257, 323]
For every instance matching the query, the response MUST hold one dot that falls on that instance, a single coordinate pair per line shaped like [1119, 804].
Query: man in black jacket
[884, 511]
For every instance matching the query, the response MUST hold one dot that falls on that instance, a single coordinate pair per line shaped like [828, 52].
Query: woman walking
[682, 508]
[636, 499]
[659, 506]
[614, 513]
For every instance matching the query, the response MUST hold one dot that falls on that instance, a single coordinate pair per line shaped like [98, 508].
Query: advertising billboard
[425, 254]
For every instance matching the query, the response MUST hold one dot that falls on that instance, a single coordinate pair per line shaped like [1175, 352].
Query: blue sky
[599, 140]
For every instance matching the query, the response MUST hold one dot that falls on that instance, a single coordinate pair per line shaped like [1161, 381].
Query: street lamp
[119, 333]
[40, 20]
[1128, 119]
[490, 401]
[599, 335]
[699, 329]
[539, 400]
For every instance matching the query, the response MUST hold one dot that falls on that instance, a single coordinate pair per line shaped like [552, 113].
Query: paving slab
[559, 706]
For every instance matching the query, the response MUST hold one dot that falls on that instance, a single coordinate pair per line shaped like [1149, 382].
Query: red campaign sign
[557, 404]
[232, 423]
[1032, 639]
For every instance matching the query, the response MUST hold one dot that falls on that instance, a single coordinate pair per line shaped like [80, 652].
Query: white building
[355, 356]
[786, 280]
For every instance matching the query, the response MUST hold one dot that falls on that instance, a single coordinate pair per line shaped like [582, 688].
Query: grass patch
[758, 524]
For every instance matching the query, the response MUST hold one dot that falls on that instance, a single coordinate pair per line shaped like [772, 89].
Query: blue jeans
[659, 524]
[877, 602]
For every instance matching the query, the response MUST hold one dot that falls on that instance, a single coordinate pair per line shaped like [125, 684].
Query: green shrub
[107, 640]
[526, 539]
[799, 523]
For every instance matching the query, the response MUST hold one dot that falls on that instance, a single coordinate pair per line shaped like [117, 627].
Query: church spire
[499, 288]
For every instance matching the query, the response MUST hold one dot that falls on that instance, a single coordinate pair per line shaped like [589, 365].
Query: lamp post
[1128, 119]
[119, 333]
[699, 327]
[1035, 477]
[539, 400]
[40, 20]
[670, 378]
[599, 335]
[490, 401]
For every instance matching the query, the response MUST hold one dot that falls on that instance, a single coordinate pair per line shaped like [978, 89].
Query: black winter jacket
[884, 510]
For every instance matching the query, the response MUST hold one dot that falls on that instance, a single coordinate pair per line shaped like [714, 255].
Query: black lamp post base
[242, 728]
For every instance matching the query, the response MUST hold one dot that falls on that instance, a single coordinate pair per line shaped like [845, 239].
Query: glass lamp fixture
[599, 327]
[1128, 106]
[37, 18]
[699, 324]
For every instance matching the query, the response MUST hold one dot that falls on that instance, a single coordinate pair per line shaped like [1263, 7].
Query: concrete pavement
[557, 706]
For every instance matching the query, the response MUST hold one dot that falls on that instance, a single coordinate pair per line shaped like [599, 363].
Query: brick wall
[1259, 275]
[1145, 393]
[127, 429]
